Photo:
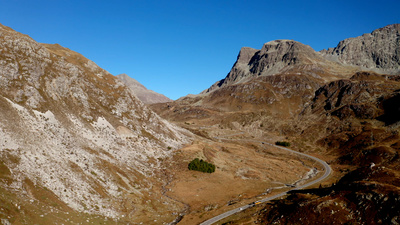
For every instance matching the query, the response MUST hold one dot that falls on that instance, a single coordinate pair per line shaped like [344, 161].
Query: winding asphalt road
[328, 171]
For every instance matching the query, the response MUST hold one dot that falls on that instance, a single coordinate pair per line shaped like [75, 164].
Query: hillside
[356, 122]
[75, 140]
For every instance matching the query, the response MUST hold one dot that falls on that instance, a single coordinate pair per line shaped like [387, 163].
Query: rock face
[145, 95]
[239, 70]
[379, 50]
[70, 127]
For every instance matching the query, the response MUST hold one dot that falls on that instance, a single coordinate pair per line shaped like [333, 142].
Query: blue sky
[181, 47]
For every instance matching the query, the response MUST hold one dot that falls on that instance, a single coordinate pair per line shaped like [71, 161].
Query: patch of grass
[283, 143]
[202, 166]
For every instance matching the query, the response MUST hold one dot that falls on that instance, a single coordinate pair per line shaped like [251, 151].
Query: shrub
[283, 143]
[200, 165]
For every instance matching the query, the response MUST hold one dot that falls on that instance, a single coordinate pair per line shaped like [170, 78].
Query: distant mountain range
[145, 95]
[378, 51]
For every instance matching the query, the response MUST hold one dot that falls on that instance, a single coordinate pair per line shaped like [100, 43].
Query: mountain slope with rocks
[72, 131]
[145, 95]
[356, 120]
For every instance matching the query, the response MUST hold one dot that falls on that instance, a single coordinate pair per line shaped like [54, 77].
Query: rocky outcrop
[240, 69]
[365, 96]
[73, 129]
[145, 95]
[379, 50]
[281, 54]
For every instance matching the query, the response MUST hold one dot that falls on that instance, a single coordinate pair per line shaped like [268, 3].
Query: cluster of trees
[200, 165]
[283, 143]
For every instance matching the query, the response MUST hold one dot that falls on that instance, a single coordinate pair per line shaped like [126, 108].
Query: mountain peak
[389, 28]
[145, 95]
[245, 54]
[130, 82]
[279, 41]
[281, 53]
[286, 46]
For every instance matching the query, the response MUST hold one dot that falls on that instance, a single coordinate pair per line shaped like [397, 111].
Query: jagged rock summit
[378, 50]
[75, 135]
[145, 95]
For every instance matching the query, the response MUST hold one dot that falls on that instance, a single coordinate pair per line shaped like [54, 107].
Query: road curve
[328, 171]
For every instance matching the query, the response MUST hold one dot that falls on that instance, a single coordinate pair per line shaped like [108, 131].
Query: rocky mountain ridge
[71, 128]
[281, 57]
[145, 95]
[378, 51]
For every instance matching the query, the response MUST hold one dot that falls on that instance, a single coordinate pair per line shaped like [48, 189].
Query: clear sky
[181, 47]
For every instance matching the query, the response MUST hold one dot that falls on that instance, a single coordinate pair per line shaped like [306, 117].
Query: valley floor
[248, 169]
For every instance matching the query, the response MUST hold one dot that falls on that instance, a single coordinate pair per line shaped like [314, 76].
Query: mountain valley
[80, 146]
[342, 111]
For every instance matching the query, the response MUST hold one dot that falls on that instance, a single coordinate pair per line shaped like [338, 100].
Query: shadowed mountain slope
[356, 121]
